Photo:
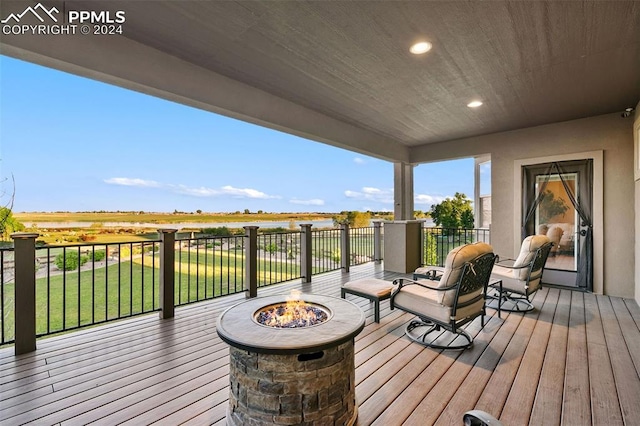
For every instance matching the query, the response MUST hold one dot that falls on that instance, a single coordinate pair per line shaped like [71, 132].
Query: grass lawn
[131, 287]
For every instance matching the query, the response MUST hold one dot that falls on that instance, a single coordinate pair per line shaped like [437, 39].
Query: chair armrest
[432, 274]
[401, 282]
[508, 263]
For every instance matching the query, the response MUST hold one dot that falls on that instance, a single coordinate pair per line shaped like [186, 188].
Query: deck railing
[85, 284]
[208, 267]
[438, 242]
[80, 285]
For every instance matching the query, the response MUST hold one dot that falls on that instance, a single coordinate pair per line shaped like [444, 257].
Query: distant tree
[8, 223]
[247, 211]
[354, 219]
[199, 211]
[260, 212]
[453, 212]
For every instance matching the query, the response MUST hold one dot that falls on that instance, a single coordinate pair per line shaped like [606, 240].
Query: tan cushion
[527, 253]
[417, 299]
[371, 286]
[453, 268]
[515, 285]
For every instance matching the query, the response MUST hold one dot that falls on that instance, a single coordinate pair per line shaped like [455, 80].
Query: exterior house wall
[636, 156]
[610, 134]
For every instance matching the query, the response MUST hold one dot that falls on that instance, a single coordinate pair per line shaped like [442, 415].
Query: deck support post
[167, 272]
[306, 261]
[251, 261]
[377, 242]
[25, 291]
[345, 248]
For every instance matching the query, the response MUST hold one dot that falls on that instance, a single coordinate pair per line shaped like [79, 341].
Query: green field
[131, 287]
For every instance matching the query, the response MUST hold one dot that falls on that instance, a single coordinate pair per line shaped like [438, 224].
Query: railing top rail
[210, 237]
[112, 243]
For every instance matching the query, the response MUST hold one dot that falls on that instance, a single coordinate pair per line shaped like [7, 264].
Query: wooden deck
[575, 360]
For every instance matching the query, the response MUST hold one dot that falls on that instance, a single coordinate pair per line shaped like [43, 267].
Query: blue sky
[74, 144]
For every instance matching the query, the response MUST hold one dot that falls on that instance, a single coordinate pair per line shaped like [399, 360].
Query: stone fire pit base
[293, 389]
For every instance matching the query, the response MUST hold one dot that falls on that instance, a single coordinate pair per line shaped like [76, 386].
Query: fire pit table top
[237, 327]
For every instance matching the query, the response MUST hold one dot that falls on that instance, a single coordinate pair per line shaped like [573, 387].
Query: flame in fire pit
[294, 313]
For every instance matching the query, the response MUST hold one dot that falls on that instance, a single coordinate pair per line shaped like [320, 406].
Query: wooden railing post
[377, 242]
[167, 272]
[25, 291]
[306, 261]
[251, 261]
[345, 248]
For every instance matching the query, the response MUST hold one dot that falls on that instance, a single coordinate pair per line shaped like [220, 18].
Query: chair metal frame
[475, 275]
[518, 298]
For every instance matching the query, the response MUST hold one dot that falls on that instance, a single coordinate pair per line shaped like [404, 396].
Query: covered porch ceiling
[341, 72]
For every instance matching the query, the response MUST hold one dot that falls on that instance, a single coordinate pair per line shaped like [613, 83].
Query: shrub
[271, 248]
[98, 255]
[336, 256]
[70, 260]
[222, 231]
[431, 250]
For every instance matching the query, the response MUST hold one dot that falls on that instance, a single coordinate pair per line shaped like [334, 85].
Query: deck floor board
[574, 360]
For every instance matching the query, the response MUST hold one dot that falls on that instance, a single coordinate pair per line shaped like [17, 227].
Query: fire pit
[295, 313]
[296, 373]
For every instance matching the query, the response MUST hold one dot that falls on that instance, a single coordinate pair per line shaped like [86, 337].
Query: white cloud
[245, 193]
[201, 191]
[312, 202]
[133, 182]
[359, 160]
[371, 194]
[196, 192]
[385, 196]
[428, 199]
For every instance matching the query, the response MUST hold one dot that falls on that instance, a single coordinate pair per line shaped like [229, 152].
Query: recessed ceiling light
[474, 104]
[420, 48]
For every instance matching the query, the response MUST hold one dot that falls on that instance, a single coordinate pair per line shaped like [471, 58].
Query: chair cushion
[453, 268]
[373, 286]
[527, 253]
[515, 285]
[424, 302]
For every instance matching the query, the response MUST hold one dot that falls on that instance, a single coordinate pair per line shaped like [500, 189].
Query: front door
[557, 201]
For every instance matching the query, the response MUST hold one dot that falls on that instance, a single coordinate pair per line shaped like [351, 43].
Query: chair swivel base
[430, 334]
[509, 302]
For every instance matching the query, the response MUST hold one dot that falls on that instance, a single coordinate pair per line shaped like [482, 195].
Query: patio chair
[443, 306]
[513, 281]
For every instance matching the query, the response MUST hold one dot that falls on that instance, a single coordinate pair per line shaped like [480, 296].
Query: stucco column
[402, 191]
[25, 291]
